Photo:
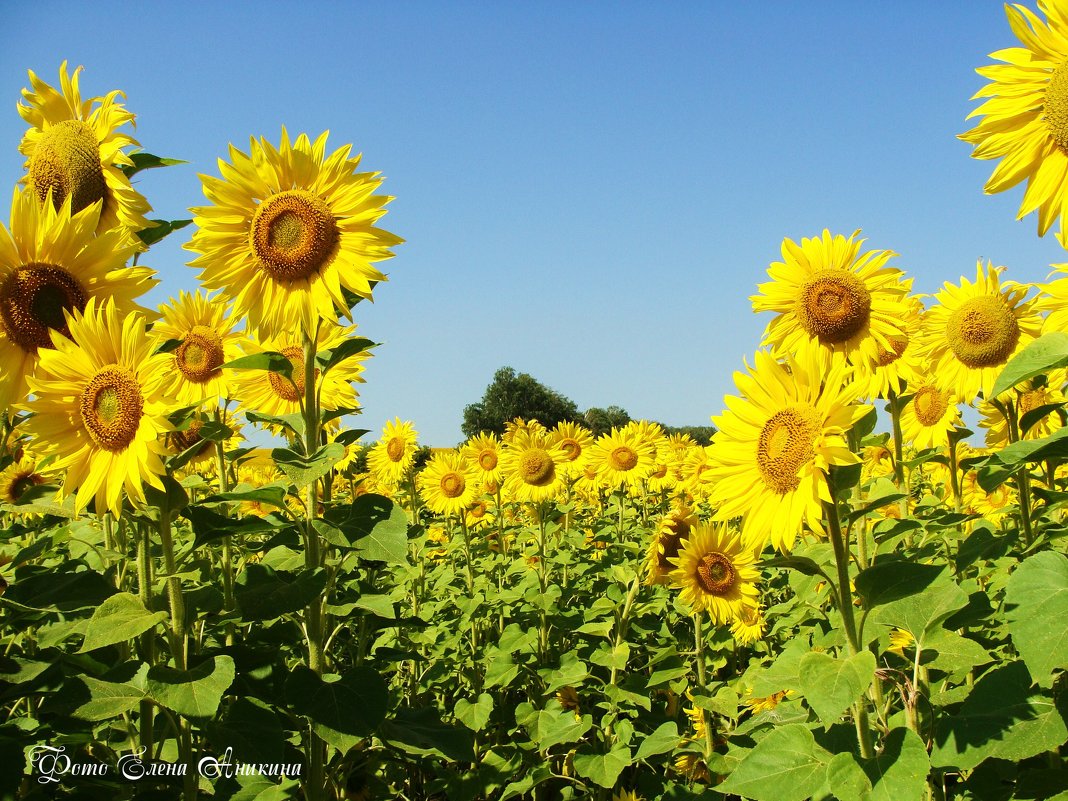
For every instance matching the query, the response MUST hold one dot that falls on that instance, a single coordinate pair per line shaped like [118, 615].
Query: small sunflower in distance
[575, 442]
[448, 485]
[774, 446]
[390, 459]
[1025, 113]
[974, 329]
[623, 456]
[749, 626]
[98, 407]
[51, 263]
[74, 150]
[928, 419]
[291, 234]
[715, 573]
[206, 341]
[829, 296]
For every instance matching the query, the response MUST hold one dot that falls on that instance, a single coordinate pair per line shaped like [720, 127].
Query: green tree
[512, 395]
[601, 421]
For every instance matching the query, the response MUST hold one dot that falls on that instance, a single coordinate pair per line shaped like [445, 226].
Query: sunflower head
[715, 573]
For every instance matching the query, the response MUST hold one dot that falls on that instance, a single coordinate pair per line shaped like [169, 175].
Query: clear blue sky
[590, 192]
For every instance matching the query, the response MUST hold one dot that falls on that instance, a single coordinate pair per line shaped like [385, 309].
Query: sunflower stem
[702, 678]
[148, 639]
[1022, 476]
[227, 546]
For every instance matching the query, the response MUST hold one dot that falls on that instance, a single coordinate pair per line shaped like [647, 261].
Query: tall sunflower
[274, 394]
[974, 329]
[98, 407]
[775, 444]
[483, 451]
[206, 341]
[829, 296]
[390, 459]
[291, 234]
[74, 149]
[715, 573]
[51, 263]
[1025, 113]
[448, 484]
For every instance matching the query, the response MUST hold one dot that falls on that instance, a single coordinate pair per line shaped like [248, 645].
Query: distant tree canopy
[511, 395]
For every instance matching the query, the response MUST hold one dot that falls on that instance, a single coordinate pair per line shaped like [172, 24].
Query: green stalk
[702, 679]
[227, 548]
[148, 639]
[1022, 476]
[845, 607]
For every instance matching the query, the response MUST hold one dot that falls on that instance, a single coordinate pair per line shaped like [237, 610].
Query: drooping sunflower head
[75, 152]
[99, 407]
[206, 341]
[51, 265]
[774, 445]
[307, 241]
[521, 427]
[715, 572]
[19, 477]
[664, 545]
[749, 626]
[1025, 113]
[974, 329]
[448, 484]
[829, 296]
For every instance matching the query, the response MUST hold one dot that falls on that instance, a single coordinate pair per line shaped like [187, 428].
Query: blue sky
[590, 192]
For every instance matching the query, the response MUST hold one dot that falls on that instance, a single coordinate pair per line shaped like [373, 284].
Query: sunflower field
[848, 594]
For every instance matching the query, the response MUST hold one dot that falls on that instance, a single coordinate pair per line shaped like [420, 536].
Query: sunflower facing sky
[52, 262]
[1025, 113]
[715, 573]
[829, 296]
[974, 329]
[290, 231]
[99, 407]
[775, 444]
[74, 150]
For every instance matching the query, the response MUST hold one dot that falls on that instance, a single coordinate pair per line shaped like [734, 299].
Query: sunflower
[900, 639]
[623, 456]
[17, 478]
[274, 394]
[1025, 118]
[291, 236]
[828, 296]
[993, 506]
[98, 406]
[1053, 295]
[975, 329]
[483, 451]
[695, 476]
[715, 571]
[575, 441]
[448, 485]
[1028, 396]
[51, 263]
[74, 150]
[520, 425]
[206, 341]
[203, 458]
[929, 417]
[774, 446]
[898, 365]
[390, 459]
[665, 543]
[533, 465]
[749, 626]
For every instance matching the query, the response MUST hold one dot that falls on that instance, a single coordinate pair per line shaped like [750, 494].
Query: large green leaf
[194, 693]
[422, 732]
[1036, 605]
[68, 587]
[661, 741]
[264, 594]
[345, 708]
[787, 765]
[302, 471]
[924, 611]
[602, 769]
[474, 715]
[889, 581]
[252, 729]
[107, 699]
[897, 773]
[831, 685]
[1046, 353]
[375, 526]
[1002, 718]
[118, 619]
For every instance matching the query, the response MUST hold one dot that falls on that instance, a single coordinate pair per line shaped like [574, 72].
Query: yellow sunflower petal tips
[304, 240]
[74, 150]
[99, 407]
[1024, 116]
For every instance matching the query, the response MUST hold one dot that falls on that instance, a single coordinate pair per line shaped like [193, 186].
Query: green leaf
[352, 705]
[67, 587]
[264, 594]
[293, 422]
[787, 765]
[375, 526]
[661, 741]
[475, 716]
[120, 618]
[147, 161]
[252, 729]
[110, 699]
[301, 471]
[1046, 353]
[1001, 718]
[898, 773]
[346, 350]
[1036, 415]
[1036, 605]
[194, 693]
[888, 581]
[602, 769]
[951, 653]
[831, 685]
[1017, 454]
[842, 479]
[270, 494]
[161, 230]
[553, 726]
[501, 669]
[421, 732]
[802, 564]
[271, 361]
